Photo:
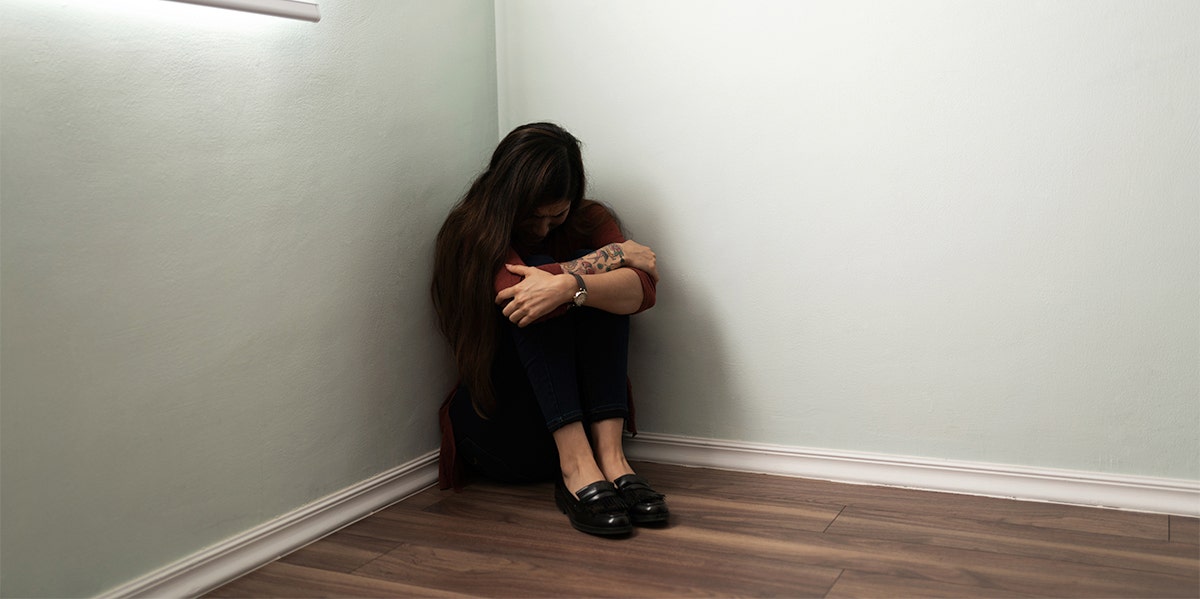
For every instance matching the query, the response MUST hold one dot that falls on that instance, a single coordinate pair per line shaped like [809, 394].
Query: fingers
[508, 293]
[519, 316]
[652, 270]
[641, 257]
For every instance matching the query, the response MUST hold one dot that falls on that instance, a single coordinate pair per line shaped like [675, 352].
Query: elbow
[649, 297]
[624, 304]
[646, 299]
[636, 303]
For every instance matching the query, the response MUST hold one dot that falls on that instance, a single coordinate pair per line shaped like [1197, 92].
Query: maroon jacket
[561, 248]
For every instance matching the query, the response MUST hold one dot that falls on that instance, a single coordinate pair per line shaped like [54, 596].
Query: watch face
[580, 297]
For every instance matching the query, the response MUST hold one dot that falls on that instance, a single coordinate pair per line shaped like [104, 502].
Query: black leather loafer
[646, 506]
[599, 510]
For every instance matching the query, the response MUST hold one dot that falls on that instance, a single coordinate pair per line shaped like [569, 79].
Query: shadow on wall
[679, 361]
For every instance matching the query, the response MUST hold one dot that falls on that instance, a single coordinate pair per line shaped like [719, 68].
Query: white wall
[217, 231]
[960, 230]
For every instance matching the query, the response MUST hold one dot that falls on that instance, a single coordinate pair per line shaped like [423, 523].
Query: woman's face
[534, 229]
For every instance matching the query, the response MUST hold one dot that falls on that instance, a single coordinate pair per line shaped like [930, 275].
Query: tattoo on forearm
[580, 266]
[609, 257]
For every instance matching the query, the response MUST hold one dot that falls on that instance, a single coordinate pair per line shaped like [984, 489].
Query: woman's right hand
[640, 257]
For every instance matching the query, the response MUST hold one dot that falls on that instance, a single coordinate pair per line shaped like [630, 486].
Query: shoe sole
[604, 532]
[651, 519]
[594, 530]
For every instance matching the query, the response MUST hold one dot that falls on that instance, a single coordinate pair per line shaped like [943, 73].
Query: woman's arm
[539, 293]
[614, 256]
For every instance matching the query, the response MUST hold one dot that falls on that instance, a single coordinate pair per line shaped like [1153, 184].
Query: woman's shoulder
[595, 214]
[598, 225]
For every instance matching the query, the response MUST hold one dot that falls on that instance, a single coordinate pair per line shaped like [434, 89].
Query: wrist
[567, 283]
[580, 295]
[619, 252]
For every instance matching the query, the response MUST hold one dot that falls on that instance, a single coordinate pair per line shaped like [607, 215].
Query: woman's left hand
[537, 295]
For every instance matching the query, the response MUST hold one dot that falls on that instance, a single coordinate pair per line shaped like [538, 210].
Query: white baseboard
[1137, 493]
[219, 564]
[201, 572]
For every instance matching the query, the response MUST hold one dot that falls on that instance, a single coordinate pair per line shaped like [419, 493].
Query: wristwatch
[581, 294]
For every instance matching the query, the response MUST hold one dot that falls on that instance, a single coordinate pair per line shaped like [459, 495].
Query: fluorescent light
[305, 10]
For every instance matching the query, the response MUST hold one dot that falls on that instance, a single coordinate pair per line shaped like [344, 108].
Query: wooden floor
[737, 534]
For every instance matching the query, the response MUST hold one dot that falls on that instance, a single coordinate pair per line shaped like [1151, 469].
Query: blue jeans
[550, 374]
[576, 365]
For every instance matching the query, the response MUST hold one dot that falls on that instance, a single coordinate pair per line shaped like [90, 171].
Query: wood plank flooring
[736, 534]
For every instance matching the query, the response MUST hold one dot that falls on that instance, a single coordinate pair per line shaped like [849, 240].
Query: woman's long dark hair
[534, 165]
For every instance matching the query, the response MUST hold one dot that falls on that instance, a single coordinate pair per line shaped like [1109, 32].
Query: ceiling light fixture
[305, 10]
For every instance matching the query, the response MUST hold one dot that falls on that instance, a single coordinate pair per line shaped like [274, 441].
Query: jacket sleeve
[505, 279]
[609, 232]
[605, 233]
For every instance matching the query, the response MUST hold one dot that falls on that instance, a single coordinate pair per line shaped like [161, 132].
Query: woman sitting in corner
[533, 286]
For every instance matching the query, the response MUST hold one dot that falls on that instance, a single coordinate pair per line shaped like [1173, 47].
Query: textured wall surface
[942, 229]
[217, 231]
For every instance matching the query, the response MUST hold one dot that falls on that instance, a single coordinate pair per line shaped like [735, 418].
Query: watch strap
[580, 294]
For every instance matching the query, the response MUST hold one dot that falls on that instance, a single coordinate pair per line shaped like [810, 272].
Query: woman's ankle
[614, 467]
[608, 448]
[575, 459]
[577, 478]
